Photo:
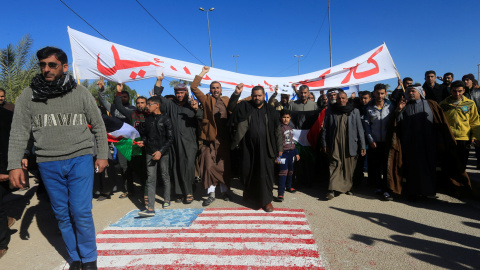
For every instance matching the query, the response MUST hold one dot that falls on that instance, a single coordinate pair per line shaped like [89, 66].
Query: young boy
[157, 136]
[287, 158]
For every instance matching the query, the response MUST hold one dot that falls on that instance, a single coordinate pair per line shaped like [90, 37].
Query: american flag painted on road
[211, 238]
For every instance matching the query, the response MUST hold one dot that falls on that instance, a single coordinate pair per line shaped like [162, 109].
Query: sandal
[189, 199]
[124, 195]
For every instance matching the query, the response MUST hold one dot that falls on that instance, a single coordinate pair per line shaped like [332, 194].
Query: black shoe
[208, 201]
[76, 265]
[178, 200]
[349, 193]
[89, 266]
[227, 197]
[280, 198]
[103, 197]
[330, 195]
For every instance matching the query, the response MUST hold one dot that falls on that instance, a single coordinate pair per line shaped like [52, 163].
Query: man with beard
[284, 100]
[322, 102]
[302, 103]
[259, 134]
[342, 138]
[185, 115]
[112, 109]
[418, 138]
[135, 118]
[399, 91]
[447, 80]
[57, 112]
[215, 152]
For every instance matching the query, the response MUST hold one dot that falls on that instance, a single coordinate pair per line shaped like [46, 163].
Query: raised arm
[232, 103]
[271, 100]
[196, 82]
[119, 106]
[101, 95]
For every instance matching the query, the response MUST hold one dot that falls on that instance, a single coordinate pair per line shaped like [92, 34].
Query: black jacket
[438, 93]
[157, 134]
[6, 117]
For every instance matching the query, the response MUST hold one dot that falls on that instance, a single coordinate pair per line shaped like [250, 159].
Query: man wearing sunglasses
[58, 113]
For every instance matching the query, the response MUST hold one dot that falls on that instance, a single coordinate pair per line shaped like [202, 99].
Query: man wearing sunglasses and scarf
[57, 112]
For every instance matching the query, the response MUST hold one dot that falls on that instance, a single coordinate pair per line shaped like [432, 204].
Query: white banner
[94, 57]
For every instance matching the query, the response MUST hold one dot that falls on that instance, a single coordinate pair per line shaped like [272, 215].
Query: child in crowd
[157, 136]
[287, 158]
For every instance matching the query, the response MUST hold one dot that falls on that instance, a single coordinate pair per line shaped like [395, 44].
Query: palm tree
[17, 67]
[174, 83]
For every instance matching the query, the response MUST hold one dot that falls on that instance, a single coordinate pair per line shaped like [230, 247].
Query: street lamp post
[235, 56]
[478, 72]
[209, 39]
[298, 59]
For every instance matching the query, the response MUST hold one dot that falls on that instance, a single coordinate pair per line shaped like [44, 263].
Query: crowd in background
[401, 139]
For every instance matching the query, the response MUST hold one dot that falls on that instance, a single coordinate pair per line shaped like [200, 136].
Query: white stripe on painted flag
[219, 238]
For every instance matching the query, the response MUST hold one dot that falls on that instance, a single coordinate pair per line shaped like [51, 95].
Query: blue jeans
[286, 172]
[69, 184]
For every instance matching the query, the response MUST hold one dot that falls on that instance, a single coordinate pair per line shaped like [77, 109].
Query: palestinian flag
[302, 122]
[123, 136]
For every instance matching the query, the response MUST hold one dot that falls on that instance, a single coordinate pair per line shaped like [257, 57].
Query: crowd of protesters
[401, 139]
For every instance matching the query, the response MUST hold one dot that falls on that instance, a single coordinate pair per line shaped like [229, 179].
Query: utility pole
[298, 59]
[235, 56]
[330, 33]
[209, 39]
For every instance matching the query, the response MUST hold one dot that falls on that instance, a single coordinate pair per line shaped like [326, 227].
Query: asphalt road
[351, 232]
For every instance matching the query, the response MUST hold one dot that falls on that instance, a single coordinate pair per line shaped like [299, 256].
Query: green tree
[17, 67]
[110, 90]
[174, 83]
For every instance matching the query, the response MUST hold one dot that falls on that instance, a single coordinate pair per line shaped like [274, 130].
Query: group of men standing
[404, 137]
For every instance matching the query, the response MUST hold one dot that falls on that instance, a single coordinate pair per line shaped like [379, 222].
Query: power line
[318, 33]
[84, 20]
[169, 33]
[311, 47]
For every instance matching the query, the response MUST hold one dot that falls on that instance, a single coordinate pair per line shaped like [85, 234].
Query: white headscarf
[419, 90]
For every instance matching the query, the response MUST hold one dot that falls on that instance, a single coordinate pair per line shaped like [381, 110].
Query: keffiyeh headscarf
[419, 89]
[43, 90]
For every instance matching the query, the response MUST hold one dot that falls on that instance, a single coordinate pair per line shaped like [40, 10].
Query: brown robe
[214, 165]
[446, 147]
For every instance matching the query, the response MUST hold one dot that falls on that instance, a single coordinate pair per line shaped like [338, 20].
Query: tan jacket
[208, 127]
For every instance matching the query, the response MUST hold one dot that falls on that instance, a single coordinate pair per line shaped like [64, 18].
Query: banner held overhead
[95, 57]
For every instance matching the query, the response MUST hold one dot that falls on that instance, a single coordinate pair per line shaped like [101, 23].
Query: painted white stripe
[251, 218]
[233, 211]
[250, 226]
[205, 245]
[178, 235]
[175, 259]
[218, 226]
